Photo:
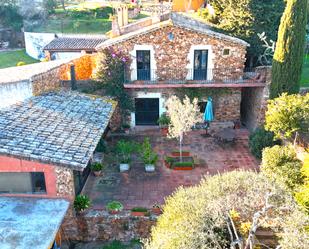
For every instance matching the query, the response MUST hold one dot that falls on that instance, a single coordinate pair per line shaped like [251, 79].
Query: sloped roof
[30, 222]
[60, 128]
[74, 44]
[177, 20]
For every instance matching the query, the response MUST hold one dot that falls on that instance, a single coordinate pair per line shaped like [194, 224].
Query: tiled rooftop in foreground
[59, 128]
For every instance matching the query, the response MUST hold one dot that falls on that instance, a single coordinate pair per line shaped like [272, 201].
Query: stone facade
[99, 225]
[172, 56]
[226, 101]
[64, 182]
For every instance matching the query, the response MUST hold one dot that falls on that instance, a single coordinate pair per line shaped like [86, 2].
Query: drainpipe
[73, 79]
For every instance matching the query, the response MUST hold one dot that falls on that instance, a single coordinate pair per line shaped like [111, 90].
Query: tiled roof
[74, 43]
[177, 20]
[30, 222]
[60, 128]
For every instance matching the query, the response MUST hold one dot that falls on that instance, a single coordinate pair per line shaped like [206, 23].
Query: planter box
[174, 163]
[184, 153]
[138, 214]
[150, 168]
[124, 167]
[113, 211]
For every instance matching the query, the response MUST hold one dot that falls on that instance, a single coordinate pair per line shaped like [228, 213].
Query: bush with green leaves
[114, 206]
[280, 164]
[260, 139]
[195, 217]
[147, 154]
[164, 120]
[81, 203]
[97, 166]
[302, 196]
[287, 115]
[125, 149]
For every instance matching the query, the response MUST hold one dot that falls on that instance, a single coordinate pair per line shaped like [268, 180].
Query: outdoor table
[226, 135]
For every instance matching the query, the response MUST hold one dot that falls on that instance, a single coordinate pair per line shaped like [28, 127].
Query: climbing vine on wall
[201, 94]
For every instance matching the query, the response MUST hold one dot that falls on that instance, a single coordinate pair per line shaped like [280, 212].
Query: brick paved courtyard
[138, 188]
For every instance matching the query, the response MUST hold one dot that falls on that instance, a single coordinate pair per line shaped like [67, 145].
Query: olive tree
[183, 115]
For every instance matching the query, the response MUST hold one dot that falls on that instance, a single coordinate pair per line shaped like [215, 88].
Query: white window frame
[210, 62]
[153, 64]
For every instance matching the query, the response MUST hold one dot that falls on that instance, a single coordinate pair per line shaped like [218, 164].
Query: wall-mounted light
[170, 36]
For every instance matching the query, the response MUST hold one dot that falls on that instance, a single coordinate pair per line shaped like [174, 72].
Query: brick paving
[138, 188]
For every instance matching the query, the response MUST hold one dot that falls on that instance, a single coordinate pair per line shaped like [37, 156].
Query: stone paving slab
[138, 188]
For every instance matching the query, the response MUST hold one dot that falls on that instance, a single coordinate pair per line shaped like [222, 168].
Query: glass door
[200, 64]
[143, 64]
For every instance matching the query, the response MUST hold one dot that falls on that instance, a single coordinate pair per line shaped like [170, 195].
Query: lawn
[305, 74]
[11, 58]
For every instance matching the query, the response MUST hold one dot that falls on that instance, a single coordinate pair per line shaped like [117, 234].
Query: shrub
[20, 63]
[114, 206]
[194, 217]
[259, 140]
[125, 150]
[183, 164]
[164, 120]
[104, 12]
[302, 196]
[279, 163]
[81, 203]
[147, 153]
[139, 209]
[97, 167]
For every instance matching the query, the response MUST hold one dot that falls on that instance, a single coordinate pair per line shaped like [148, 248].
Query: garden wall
[99, 225]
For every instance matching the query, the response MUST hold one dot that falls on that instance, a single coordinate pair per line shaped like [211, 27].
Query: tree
[9, 15]
[183, 115]
[195, 217]
[110, 70]
[287, 115]
[246, 19]
[289, 53]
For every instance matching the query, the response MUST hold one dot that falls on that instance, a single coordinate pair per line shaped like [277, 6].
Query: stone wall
[172, 57]
[47, 81]
[254, 101]
[99, 225]
[226, 101]
[64, 182]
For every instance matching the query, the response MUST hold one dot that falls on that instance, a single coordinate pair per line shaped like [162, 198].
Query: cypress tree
[289, 53]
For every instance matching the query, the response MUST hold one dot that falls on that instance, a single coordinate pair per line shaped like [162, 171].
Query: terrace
[184, 77]
[138, 188]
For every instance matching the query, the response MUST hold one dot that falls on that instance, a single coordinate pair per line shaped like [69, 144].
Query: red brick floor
[138, 188]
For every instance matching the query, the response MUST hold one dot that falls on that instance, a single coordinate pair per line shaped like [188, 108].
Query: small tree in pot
[97, 168]
[81, 203]
[148, 155]
[125, 150]
[183, 115]
[164, 122]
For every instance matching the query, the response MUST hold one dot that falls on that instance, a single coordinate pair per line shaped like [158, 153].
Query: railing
[181, 76]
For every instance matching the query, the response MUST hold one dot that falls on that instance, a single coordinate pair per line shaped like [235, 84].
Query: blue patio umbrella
[208, 115]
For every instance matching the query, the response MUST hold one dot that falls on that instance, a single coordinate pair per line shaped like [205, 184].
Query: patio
[138, 188]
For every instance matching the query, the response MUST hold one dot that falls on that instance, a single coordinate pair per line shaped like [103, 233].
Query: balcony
[174, 78]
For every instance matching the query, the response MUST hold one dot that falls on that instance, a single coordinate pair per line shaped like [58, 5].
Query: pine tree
[288, 57]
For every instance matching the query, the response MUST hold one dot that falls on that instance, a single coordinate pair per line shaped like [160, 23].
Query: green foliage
[50, 6]
[9, 15]
[302, 196]
[204, 13]
[194, 217]
[246, 18]
[111, 66]
[200, 93]
[279, 163]
[81, 203]
[147, 153]
[125, 149]
[114, 206]
[287, 115]
[259, 140]
[289, 53]
[164, 120]
[97, 166]
[139, 209]
[101, 147]
[182, 164]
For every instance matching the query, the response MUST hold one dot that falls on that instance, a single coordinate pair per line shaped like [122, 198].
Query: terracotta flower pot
[139, 214]
[183, 168]
[184, 153]
[164, 131]
[97, 173]
[113, 211]
[156, 211]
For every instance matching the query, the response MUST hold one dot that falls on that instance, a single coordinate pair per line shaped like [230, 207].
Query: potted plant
[164, 122]
[156, 209]
[139, 211]
[97, 168]
[148, 155]
[124, 150]
[114, 207]
[81, 203]
[126, 128]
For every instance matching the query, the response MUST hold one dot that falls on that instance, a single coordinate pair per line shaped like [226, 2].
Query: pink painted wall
[10, 164]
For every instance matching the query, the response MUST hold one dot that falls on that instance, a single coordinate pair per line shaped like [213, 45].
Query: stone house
[184, 56]
[48, 141]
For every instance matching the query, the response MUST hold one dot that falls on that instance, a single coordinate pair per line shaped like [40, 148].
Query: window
[226, 52]
[202, 106]
[22, 183]
[200, 64]
[143, 64]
